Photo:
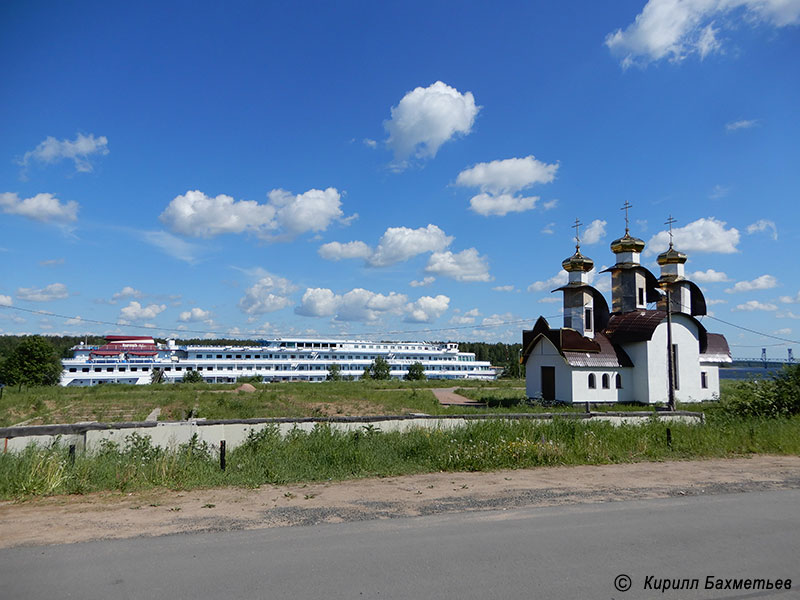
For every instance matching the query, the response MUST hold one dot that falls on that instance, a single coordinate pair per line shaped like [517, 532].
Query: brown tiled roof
[717, 349]
[609, 355]
[577, 350]
[634, 326]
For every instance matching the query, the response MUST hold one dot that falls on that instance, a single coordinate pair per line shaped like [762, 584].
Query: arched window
[592, 381]
[606, 381]
[619, 381]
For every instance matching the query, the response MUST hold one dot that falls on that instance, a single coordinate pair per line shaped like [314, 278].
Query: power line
[768, 335]
[373, 333]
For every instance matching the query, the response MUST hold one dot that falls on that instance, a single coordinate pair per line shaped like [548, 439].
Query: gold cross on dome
[669, 222]
[576, 227]
[625, 207]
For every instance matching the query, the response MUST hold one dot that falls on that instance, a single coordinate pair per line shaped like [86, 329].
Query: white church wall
[712, 379]
[582, 392]
[545, 354]
[685, 337]
[640, 384]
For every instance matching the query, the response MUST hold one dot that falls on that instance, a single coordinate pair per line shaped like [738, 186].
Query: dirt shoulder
[69, 519]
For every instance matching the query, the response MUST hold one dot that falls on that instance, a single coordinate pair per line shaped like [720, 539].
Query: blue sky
[391, 170]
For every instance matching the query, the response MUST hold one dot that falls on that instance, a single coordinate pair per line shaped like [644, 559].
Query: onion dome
[578, 262]
[627, 244]
[671, 257]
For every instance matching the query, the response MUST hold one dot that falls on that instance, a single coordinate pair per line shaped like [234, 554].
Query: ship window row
[318, 367]
[326, 357]
[108, 369]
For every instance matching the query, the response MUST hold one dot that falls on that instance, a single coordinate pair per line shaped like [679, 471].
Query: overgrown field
[327, 454]
[115, 403]
[110, 403]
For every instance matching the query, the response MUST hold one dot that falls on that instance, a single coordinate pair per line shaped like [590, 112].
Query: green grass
[323, 454]
[114, 403]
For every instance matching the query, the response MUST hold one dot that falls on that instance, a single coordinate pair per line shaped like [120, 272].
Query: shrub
[192, 377]
[380, 369]
[416, 372]
[777, 397]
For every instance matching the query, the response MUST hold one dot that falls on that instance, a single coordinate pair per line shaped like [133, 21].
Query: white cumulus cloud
[496, 320]
[499, 182]
[422, 282]
[126, 292]
[708, 276]
[754, 305]
[741, 124]
[195, 314]
[285, 215]
[489, 205]
[676, 29]
[426, 118]
[356, 305]
[503, 288]
[595, 232]
[54, 291]
[398, 244]
[78, 151]
[467, 318]
[136, 312]
[339, 251]
[764, 225]
[268, 294]
[765, 282]
[702, 235]
[318, 302]
[507, 176]
[5, 300]
[790, 299]
[466, 265]
[554, 282]
[313, 210]
[426, 309]
[44, 208]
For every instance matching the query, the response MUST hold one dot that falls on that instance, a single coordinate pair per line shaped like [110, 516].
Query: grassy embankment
[325, 454]
[115, 403]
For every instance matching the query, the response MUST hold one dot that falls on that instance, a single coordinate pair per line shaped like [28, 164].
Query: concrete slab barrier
[170, 434]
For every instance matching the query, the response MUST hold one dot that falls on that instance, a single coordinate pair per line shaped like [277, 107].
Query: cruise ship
[133, 359]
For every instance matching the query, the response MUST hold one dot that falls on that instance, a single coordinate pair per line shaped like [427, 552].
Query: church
[621, 354]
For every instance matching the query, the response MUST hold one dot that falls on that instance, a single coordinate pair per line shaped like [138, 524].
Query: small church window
[703, 380]
[641, 297]
[606, 381]
[592, 381]
[588, 319]
[619, 381]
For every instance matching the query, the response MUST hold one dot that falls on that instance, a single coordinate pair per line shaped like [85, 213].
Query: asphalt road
[573, 552]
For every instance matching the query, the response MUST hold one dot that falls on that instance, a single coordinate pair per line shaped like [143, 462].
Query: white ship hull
[133, 360]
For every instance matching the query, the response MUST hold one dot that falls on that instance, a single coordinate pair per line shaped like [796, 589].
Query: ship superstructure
[132, 360]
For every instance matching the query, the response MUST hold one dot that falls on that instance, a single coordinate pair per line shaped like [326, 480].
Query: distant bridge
[757, 363]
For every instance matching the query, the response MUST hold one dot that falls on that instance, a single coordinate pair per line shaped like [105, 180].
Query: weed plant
[324, 453]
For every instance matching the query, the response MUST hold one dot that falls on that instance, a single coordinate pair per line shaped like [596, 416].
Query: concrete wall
[88, 436]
